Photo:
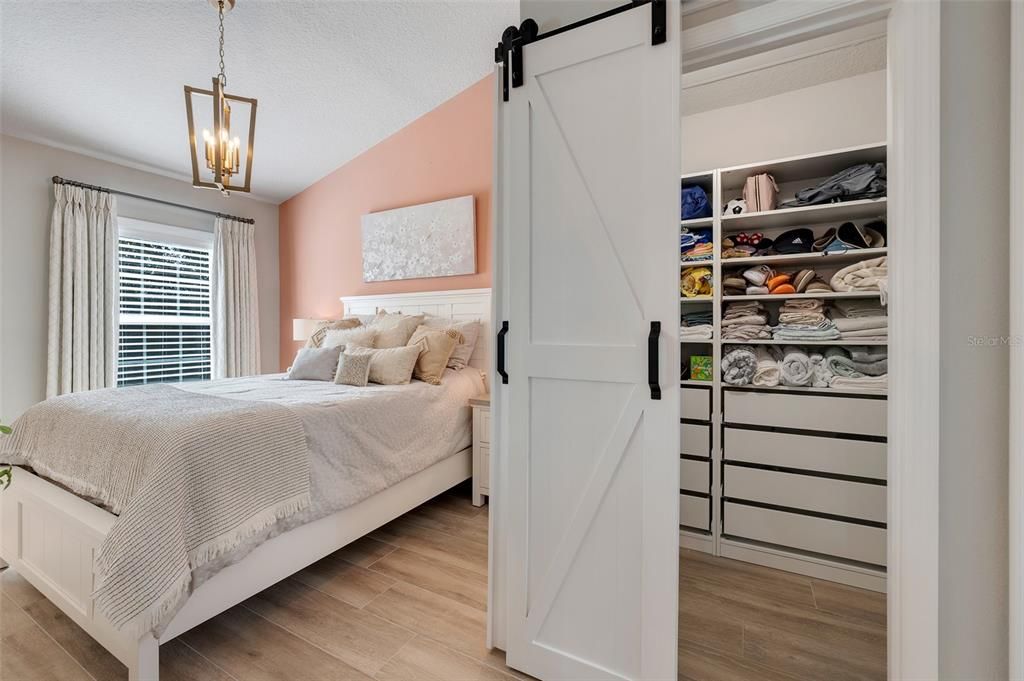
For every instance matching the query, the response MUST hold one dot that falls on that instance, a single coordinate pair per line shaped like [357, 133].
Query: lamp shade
[302, 329]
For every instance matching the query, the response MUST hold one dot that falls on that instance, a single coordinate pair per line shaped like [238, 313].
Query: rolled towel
[738, 365]
[796, 367]
[767, 371]
[822, 375]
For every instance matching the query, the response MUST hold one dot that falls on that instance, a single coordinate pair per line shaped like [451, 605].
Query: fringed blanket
[191, 476]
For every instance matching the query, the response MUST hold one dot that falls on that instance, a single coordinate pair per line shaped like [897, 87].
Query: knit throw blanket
[190, 476]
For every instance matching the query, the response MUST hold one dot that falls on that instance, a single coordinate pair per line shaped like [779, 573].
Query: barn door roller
[509, 52]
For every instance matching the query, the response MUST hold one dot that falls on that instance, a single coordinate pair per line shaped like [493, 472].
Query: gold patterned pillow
[437, 346]
[316, 340]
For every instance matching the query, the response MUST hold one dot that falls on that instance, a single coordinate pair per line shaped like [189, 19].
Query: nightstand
[481, 448]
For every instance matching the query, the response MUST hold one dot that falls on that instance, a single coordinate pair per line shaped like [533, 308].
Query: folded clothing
[695, 317]
[739, 364]
[695, 281]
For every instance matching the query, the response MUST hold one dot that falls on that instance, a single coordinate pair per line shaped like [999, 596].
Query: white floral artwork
[429, 240]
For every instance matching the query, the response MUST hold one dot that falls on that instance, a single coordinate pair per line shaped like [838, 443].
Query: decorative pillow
[390, 366]
[437, 347]
[394, 330]
[315, 364]
[464, 350]
[353, 369]
[317, 339]
[360, 335]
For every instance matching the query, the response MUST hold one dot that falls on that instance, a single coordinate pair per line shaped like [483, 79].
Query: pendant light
[222, 160]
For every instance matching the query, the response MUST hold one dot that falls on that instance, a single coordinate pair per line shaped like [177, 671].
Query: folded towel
[824, 330]
[767, 371]
[698, 332]
[868, 383]
[866, 275]
[738, 365]
[803, 305]
[866, 334]
[856, 364]
[859, 323]
[744, 320]
[801, 318]
[795, 367]
[857, 307]
[747, 332]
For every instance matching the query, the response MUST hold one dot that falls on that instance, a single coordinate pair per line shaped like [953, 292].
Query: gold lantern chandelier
[222, 155]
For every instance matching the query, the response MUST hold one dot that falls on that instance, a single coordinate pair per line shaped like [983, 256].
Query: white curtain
[236, 314]
[81, 345]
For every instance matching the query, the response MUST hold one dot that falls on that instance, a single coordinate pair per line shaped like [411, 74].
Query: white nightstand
[481, 448]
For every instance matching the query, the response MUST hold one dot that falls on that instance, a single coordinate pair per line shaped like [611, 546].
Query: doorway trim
[1016, 473]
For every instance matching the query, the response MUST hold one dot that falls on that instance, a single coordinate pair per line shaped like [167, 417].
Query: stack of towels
[804, 320]
[745, 320]
[697, 325]
[860, 320]
[858, 368]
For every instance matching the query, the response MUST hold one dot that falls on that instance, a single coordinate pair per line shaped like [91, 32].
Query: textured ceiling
[333, 77]
[845, 62]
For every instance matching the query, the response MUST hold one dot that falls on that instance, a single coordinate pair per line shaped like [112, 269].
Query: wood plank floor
[407, 603]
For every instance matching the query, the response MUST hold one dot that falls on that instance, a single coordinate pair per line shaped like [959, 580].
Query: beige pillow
[316, 340]
[470, 331]
[394, 330]
[353, 369]
[437, 347]
[389, 366]
[360, 335]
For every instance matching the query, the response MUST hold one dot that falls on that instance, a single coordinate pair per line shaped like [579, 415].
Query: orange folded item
[783, 289]
[778, 280]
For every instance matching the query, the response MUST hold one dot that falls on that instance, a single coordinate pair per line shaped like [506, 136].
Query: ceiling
[333, 77]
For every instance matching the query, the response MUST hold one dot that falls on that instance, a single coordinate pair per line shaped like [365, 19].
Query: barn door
[593, 351]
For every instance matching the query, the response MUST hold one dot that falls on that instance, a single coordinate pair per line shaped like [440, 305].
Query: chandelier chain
[220, 14]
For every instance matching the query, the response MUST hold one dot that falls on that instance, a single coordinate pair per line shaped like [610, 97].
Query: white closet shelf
[696, 223]
[806, 166]
[697, 341]
[697, 263]
[861, 209]
[691, 381]
[832, 295]
[697, 299]
[809, 258]
[841, 341]
[806, 389]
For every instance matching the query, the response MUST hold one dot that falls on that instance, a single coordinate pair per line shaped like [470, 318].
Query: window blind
[164, 330]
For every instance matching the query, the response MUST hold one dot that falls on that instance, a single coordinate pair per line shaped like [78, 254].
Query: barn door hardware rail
[509, 51]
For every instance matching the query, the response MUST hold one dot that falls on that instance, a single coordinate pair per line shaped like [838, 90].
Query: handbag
[760, 192]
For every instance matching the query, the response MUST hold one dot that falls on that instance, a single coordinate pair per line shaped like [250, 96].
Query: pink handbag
[760, 192]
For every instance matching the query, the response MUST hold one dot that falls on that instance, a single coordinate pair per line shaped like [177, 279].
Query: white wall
[26, 202]
[975, 196]
[833, 115]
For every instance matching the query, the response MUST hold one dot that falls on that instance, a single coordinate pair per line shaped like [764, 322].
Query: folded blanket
[866, 275]
[869, 383]
[855, 364]
[169, 493]
[803, 305]
[743, 307]
[801, 318]
[795, 368]
[857, 307]
[824, 330]
[698, 332]
[866, 334]
[744, 320]
[747, 332]
[860, 323]
[738, 365]
[767, 371]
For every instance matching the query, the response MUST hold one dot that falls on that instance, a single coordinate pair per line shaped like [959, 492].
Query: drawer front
[695, 476]
[806, 533]
[807, 452]
[695, 440]
[861, 416]
[695, 512]
[695, 403]
[485, 468]
[807, 492]
[485, 426]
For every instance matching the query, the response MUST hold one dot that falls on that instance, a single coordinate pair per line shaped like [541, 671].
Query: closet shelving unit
[788, 477]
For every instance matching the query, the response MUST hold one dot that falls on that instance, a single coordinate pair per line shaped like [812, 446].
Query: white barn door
[593, 454]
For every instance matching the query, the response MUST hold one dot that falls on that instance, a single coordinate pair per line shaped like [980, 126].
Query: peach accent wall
[443, 154]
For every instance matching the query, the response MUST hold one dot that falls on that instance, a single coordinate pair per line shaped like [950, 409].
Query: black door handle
[653, 360]
[501, 352]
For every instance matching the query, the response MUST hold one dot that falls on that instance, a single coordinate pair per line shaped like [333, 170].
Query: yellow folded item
[695, 281]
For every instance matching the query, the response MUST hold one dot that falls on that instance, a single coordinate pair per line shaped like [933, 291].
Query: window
[164, 324]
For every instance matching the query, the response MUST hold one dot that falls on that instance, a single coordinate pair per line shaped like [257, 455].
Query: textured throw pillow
[437, 347]
[353, 369]
[360, 335]
[470, 331]
[316, 340]
[315, 364]
[394, 330]
[390, 366]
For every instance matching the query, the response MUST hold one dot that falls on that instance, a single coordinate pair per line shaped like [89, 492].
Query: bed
[52, 537]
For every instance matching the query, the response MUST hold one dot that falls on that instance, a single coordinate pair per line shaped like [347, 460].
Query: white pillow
[470, 331]
[390, 366]
[394, 330]
[315, 364]
[360, 335]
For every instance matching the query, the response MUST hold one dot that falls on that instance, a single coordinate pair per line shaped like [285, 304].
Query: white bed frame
[50, 536]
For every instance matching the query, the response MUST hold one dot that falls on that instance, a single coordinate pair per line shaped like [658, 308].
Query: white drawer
[695, 476]
[807, 452]
[837, 414]
[806, 533]
[695, 440]
[695, 403]
[485, 469]
[485, 426]
[695, 512]
[807, 492]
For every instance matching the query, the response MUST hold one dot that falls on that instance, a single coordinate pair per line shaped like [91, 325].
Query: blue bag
[695, 203]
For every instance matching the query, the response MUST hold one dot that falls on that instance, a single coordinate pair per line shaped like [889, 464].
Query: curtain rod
[60, 180]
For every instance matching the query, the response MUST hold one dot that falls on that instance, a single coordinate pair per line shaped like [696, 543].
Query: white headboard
[462, 305]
